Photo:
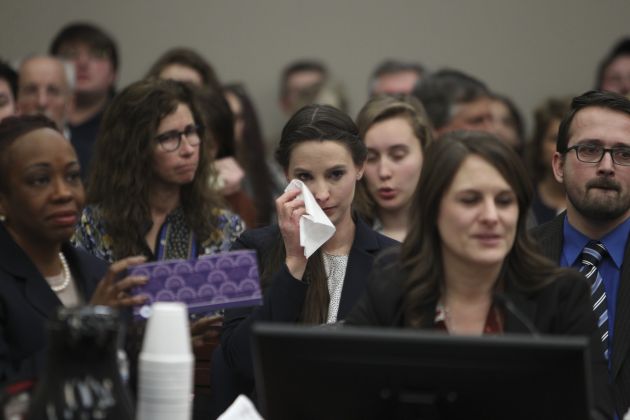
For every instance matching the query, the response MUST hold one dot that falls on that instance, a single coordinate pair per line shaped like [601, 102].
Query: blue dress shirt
[610, 267]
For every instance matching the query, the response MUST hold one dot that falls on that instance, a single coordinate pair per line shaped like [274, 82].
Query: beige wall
[527, 49]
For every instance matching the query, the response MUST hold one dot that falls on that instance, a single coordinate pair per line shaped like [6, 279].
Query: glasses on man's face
[594, 153]
[170, 141]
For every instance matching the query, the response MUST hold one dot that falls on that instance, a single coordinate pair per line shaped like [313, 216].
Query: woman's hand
[205, 330]
[230, 174]
[112, 291]
[289, 209]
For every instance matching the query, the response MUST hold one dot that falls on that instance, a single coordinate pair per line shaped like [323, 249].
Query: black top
[83, 137]
[561, 308]
[284, 298]
[27, 303]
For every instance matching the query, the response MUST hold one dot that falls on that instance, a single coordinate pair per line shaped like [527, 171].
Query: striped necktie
[591, 257]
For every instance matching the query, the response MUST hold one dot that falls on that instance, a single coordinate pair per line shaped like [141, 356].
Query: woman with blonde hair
[396, 131]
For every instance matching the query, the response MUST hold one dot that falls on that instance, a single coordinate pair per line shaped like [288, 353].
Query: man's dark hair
[10, 75]
[442, 90]
[621, 48]
[297, 67]
[592, 98]
[190, 58]
[12, 128]
[89, 34]
[390, 66]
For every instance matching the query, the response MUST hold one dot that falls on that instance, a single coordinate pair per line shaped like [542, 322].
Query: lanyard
[160, 249]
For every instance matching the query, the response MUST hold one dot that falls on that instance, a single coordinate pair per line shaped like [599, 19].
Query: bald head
[45, 87]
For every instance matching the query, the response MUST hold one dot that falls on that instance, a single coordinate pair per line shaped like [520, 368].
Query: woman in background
[549, 195]
[395, 131]
[219, 122]
[507, 123]
[251, 154]
[149, 190]
[41, 197]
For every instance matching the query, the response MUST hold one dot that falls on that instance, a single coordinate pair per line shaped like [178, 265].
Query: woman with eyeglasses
[148, 190]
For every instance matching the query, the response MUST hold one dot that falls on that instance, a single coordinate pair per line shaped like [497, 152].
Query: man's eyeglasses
[594, 153]
[171, 140]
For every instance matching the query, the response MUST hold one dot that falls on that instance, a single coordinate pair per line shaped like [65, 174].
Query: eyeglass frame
[160, 138]
[605, 150]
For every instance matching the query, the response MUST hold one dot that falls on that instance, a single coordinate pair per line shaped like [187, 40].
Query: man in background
[45, 86]
[95, 57]
[297, 80]
[613, 74]
[455, 101]
[395, 77]
[592, 160]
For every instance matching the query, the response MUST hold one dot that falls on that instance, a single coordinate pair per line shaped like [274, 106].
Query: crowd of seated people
[439, 199]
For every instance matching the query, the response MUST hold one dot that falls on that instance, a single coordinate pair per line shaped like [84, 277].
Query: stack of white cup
[166, 365]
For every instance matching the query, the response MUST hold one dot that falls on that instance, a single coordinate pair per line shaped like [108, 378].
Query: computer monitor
[371, 373]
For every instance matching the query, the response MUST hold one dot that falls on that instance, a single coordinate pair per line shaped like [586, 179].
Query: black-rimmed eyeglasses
[594, 153]
[170, 141]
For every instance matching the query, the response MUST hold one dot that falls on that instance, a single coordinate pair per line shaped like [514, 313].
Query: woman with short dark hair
[41, 197]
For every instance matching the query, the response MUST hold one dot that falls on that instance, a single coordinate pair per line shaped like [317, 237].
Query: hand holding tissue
[315, 227]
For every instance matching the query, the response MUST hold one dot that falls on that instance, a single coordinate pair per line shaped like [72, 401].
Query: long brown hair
[313, 123]
[186, 57]
[421, 254]
[250, 154]
[122, 170]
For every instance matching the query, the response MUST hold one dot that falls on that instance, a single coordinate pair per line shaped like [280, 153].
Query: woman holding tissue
[148, 192]
[41, 197]
[321, 149]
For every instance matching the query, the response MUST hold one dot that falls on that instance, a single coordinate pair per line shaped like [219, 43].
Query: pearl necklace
[66, 275]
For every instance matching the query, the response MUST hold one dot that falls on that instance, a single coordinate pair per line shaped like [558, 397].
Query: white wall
[527, 49]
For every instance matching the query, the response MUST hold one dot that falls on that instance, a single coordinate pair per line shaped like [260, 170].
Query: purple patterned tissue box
[209, 283]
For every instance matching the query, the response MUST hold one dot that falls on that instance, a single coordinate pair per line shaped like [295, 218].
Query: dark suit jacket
[550, 238]
[561, 308]
[283, 300]
[27, 302]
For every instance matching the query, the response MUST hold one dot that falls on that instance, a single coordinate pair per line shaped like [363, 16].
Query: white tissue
[315, 227]
[241, 409]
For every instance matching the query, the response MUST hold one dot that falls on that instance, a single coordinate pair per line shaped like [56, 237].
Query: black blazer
[284, 298]
[550, 237]
[27, 302]
[561, 308]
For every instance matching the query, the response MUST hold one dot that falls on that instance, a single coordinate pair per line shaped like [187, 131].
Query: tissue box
[209, 283]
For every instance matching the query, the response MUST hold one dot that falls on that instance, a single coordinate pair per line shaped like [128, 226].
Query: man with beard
[592, 160]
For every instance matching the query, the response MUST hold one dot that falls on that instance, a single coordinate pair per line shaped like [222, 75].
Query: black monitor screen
[370, 373]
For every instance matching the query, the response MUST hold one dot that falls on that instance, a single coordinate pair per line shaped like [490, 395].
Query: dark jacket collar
[367, 243]
[17, 264]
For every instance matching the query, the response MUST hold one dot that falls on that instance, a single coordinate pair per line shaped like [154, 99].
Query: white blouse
[335, 266]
